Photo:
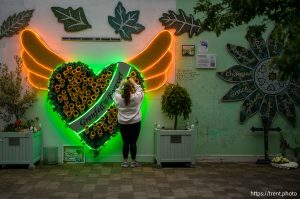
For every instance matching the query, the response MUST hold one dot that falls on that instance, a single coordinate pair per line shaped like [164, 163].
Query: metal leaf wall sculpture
[15, 23]
[257, 84]
[181, 22]
[73, 20]
[124, 23]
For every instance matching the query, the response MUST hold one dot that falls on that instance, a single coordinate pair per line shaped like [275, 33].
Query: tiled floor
[205, 180]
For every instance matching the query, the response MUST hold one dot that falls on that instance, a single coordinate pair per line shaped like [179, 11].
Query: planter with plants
[18, 142]
[15, 99]
[175, 144]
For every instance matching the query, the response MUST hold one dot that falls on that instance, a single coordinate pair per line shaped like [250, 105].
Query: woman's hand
[131, 81]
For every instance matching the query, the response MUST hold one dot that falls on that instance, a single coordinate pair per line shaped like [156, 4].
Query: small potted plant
[175, 102]
[15, 100]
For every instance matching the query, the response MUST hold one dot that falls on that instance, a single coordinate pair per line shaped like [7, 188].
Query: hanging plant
[15, 23]
[125, 23]
[181, 22]
[73, 20]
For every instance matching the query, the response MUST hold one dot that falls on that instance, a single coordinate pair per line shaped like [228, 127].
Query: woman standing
[129, 117]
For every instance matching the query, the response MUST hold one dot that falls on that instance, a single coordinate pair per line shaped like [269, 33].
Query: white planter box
[20, 148]
[174, 146]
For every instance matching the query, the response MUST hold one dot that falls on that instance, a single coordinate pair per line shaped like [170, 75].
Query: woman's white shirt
[131, 113]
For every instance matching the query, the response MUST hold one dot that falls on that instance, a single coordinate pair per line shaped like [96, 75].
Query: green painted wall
[218, 130]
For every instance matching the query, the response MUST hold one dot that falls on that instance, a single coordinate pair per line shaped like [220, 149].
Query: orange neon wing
[38, 59]
[153, 62]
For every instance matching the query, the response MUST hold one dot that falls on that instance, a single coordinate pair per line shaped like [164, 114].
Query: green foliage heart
[84, 100]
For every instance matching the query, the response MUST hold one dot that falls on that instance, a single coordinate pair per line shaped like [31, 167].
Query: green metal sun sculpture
[258, 84]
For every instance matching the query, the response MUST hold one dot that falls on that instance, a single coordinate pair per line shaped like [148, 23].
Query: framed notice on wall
[73, 154]
[206, 61]
[188, 50]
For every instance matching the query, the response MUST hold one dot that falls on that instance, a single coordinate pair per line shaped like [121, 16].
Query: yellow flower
[132, 74]
[76, 113]
[89, 102]
[99, 80]
[58, 76]
[109, 73]
[100, 133]
[71, 106]
[78, 69]
[66, 73]
[280, 160]
[92, 135]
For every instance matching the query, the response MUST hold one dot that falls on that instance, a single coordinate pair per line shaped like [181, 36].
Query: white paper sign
[206, 61]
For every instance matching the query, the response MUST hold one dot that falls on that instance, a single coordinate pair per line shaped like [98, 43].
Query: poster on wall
[203, 46]
[73, 154]
[185, 74]
[206, 61]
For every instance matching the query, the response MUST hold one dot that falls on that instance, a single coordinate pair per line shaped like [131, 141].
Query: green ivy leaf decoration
[124, 23]
[15, 23]
[73, 20]
[181, 22]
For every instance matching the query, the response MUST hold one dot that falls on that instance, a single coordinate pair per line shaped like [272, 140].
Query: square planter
[174, 146]
[20, 148]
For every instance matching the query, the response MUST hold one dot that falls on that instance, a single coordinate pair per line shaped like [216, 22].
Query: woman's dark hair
[126, 93]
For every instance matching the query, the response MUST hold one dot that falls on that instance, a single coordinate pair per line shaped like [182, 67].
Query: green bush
[175, 102]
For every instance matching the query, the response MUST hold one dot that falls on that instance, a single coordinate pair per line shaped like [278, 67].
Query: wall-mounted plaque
[73, 154]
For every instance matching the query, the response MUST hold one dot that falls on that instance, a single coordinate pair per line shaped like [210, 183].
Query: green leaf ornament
[15, 23]
[73, 20]
[182, 23]
[124, 23]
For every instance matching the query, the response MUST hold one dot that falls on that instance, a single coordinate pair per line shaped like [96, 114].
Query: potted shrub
[175, 145]
[175, 102]
[15, 100]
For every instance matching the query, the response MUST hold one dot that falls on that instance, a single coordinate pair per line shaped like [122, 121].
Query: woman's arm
[121, 85]
[117, 94]
[138, 89]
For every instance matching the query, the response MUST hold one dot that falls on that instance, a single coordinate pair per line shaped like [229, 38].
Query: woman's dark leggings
[130, 134]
